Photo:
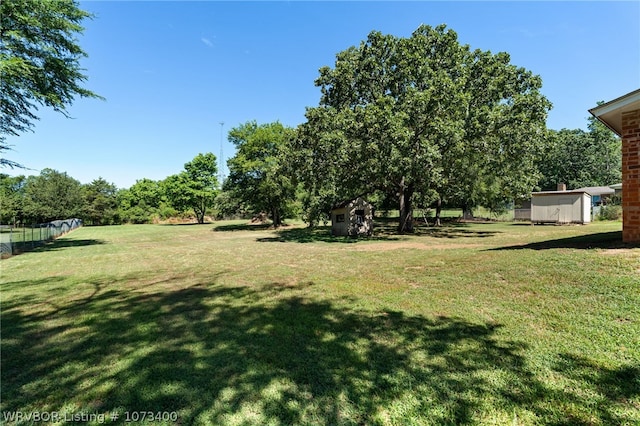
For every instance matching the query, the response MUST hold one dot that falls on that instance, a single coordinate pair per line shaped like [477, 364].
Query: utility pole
[220, 169]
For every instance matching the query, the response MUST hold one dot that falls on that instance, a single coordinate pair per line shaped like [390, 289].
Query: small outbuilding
[561, 207]
[352, 218]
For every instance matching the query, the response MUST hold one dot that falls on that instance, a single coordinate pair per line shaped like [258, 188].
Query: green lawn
[233, 325]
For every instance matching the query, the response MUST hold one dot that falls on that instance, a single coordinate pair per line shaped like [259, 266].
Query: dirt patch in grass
[620, 252]
[626, 253]
[409, 245]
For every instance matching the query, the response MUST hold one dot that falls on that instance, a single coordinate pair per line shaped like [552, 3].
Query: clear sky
[171, 72]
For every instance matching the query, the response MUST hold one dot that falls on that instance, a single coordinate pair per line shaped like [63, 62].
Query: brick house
[622, 115]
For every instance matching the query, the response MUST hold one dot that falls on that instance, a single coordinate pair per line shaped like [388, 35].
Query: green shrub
[166, 212]
[610, 212]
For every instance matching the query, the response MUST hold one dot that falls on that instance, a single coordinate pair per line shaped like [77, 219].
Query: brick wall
[631, 176]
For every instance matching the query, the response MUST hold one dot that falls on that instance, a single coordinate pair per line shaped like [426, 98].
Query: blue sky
[171, 72]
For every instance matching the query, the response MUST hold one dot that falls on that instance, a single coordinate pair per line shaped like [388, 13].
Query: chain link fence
[18, 239]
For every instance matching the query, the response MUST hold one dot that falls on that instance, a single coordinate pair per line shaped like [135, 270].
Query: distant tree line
[580, 158]
[55, 195]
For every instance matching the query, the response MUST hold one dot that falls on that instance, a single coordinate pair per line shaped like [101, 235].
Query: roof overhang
[572, 192]
[597, 190]
[610, 113]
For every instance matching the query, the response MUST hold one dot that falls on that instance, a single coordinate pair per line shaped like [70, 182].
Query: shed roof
[597, 190]
[345, 203]
[575, 191]
[610, 113]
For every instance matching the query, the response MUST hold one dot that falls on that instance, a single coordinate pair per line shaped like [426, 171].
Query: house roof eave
[610, 113]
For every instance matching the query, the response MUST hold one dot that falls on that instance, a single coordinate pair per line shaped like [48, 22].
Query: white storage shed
[352, 218]
[561, 207]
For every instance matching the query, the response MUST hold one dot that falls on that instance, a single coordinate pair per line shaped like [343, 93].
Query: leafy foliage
[101, 202]
[142, 202]
[610, 212]
[256, 173]
[196, 187]
[52, 195]
[419, 116]
[39, 62]
[580, 158]
[11, 198]
[228, 206]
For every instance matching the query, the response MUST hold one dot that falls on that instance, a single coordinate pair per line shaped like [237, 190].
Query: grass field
[225, 324]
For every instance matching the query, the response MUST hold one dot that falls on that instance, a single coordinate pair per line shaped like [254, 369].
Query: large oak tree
[421, 115]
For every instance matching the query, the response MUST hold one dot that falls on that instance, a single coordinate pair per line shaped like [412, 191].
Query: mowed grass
[229, 324]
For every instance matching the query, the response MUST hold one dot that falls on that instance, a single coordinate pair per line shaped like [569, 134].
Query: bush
[610, 212]
[166, 212]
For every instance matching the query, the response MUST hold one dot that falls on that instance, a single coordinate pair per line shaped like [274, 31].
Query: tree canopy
[422, 115]
[100, 202]
[581, 158]
[196, 187]
[51, 196]
[39, 62]
[11, 198]
[256, 173]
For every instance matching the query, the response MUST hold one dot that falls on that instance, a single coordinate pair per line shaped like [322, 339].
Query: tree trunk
[275, 217]
[467, 212]
[406, 208]
[200, 211]
[438, 212]
[199, 215]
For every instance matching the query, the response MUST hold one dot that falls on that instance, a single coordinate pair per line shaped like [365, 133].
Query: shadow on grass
[606, 240]
[269, 355]
[448, 229]
[384, 231]
[33, 285]
[54, 245]
[65, 243]
[243, 227]
[321, 234]
[618, 385]
[187, 224]
[455, 231]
